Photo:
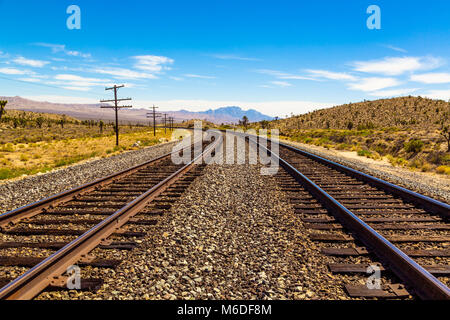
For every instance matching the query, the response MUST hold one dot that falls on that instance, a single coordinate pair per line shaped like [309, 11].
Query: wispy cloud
[152, 63]
[30, 62]
[283, 75]
[331, 75]
[233, 57]
[398, 49]
[122, 73]
[394, 92]
[78, 81]
[393, 66]
[374, 84]
[56, 48]
[190, 75]
[439, 94]
[14, 71]
[431, 78]
[281, 83]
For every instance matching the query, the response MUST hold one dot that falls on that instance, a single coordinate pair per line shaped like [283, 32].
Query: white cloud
[374, 84]
[430, 78]
[31, 63]
[394, 92]
[121, 73]
[84, 89]
[331, 75]
[152, 63]
[14, 71]
[392, 66]
[439, 94]
[56, 48]
[281, 83]
[283, 75]
[34, 80]
[63, 99]
[189, 75]
[176, 78]
[75, 81]
[396, 48]
[233, 57]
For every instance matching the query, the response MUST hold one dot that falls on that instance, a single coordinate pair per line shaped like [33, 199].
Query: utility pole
[154, 115]
[171, 123]
[116, 107]
[165, 123]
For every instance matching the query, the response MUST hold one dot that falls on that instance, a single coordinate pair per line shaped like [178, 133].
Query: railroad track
[364, 224]
[44, 239]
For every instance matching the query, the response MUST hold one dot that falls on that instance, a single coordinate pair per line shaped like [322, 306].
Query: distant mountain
[95, 112]
[237, 113]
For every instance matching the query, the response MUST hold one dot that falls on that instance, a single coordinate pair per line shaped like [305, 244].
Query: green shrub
[364, 153]
[414, 146]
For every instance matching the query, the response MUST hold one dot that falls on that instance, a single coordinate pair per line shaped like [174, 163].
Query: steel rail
[425, 285]
[39, 277]
[430, 204]
[35, 208]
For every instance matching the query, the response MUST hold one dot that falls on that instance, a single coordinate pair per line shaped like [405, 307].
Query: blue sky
[274, 56]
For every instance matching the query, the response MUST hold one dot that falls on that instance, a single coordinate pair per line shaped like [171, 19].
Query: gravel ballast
[431, 185]
[34, 188]
[232, 235]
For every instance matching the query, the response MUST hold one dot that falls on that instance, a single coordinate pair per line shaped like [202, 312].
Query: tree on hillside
[2, 108]
[63, 121]
[40, 121]
[101, 125]
[264, 124]
[245, 122]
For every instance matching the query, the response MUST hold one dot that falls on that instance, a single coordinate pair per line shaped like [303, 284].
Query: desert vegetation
[412, 132]
[33, 143]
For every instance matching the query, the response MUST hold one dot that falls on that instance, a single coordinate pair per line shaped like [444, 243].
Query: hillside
[405, 131]
[412, 112]
[136, 115]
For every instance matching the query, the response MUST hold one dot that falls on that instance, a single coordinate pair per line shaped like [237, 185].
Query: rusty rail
[39, 277]
[35, 208]
[425, 285]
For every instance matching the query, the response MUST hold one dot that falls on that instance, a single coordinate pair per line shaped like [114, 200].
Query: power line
[154, 115]
[116, 107]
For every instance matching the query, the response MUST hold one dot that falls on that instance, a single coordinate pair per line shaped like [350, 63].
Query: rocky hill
[413, 112]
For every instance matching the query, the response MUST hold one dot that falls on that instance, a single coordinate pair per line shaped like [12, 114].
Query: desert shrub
[364, 153]
[443, 170]
[414, 146]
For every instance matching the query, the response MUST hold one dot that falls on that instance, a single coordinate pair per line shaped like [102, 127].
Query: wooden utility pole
[165, 123]
[171, 123]
[154, 115]
[116, 107]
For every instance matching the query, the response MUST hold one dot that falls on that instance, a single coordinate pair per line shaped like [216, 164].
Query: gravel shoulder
[430, 184]
[232, 235]
[18, 193]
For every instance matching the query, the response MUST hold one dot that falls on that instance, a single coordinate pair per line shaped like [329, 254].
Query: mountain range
[94, 112]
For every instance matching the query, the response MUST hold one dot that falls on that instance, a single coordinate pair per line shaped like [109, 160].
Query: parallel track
[362, 216]
[85, 218]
